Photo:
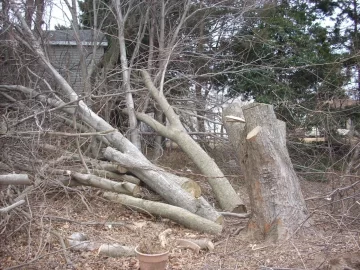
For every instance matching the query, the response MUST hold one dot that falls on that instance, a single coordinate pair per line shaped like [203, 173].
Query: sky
[57, 13]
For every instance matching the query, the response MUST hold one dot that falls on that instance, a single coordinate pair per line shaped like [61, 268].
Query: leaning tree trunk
[225, 194]
[277, 204]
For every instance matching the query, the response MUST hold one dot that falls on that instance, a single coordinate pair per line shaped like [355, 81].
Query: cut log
[186, 184]
[95, 181]
[116, 250]
[195, 244]
[278, 206]
[164, 185]
[14, 179]
[174, 213]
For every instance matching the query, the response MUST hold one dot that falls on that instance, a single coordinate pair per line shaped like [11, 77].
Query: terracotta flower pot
[152, 261]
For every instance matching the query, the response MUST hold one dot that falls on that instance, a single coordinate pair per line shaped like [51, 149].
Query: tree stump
[277, 204]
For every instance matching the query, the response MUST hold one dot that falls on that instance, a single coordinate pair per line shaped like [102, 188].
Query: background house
[64, 54]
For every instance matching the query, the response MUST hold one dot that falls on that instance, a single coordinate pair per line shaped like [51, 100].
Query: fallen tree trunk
[186, 184]
[278, 207]
[14, 179]
[95, 181]
[177, 214]
[165, 185]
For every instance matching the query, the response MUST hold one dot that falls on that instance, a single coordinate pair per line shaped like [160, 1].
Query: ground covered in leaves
[332, 243]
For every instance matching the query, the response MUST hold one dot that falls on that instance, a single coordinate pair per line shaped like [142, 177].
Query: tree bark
[177, 214]
[277, 204]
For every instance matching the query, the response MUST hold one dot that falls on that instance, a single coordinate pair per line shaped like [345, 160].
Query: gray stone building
[63, 52]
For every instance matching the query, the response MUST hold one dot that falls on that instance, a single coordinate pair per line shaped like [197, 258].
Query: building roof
[67, 38]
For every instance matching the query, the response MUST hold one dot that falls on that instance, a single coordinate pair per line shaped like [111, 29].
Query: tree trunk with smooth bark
[277, 204]
[177, 214]
[225, 194]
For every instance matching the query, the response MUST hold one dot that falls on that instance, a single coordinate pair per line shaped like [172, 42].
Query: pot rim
[150, 255]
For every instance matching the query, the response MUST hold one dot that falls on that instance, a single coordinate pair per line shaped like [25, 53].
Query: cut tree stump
[176, 214]
[277, 204]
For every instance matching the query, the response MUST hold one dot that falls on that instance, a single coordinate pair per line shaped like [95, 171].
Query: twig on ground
[235, 214]
[298, 252]
[8, 208]
[238, 230]
[62, 243]
[66, 134]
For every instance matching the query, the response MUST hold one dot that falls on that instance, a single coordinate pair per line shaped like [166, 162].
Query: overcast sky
[57, 13]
